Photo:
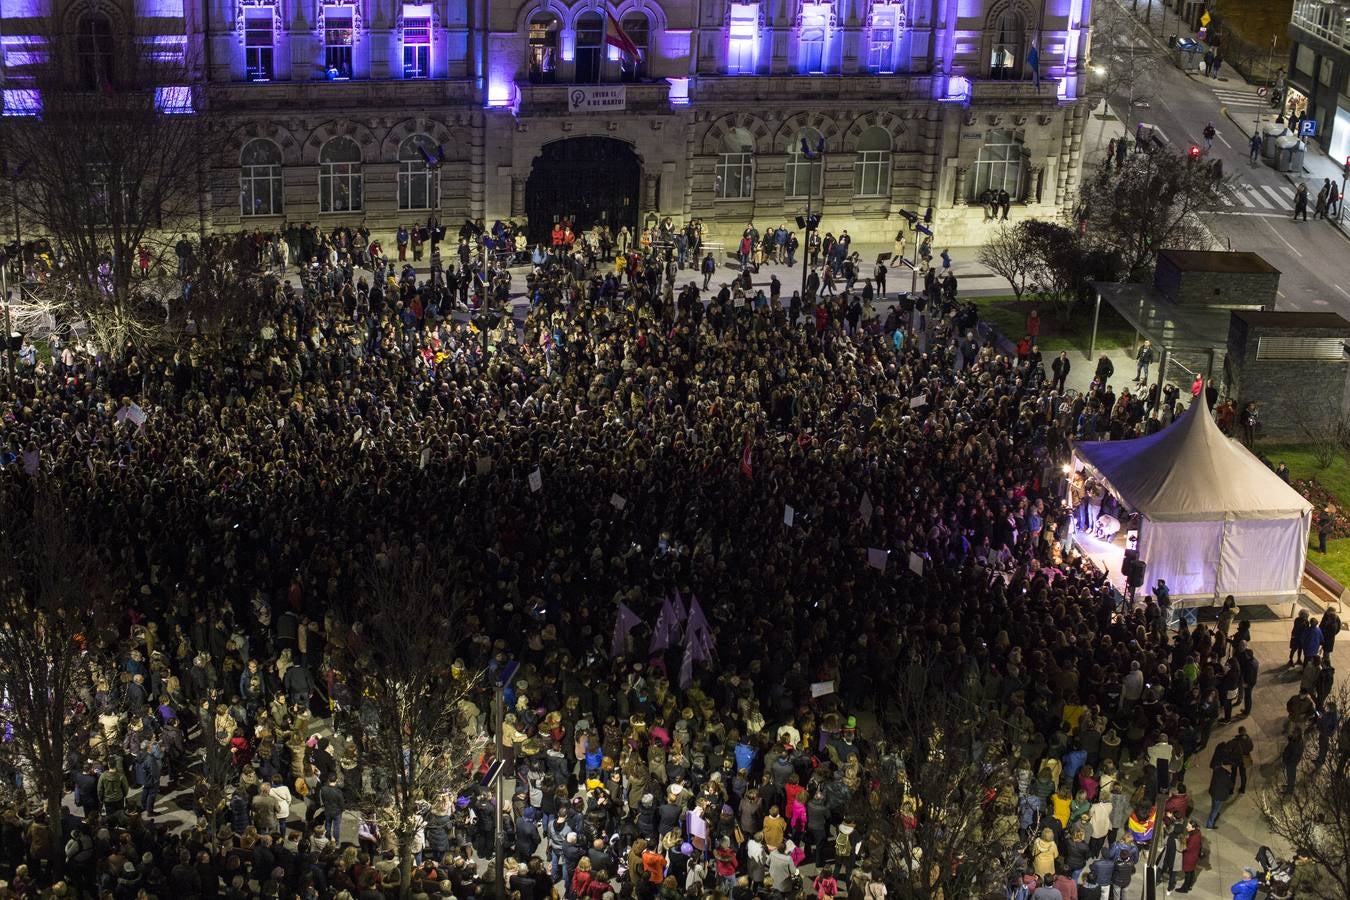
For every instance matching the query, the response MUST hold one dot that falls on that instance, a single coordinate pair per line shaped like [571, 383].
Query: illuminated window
[590, 48]
[637, 27]
[416, 46]
[886, 22]
[339, 35]
[418, 183]
[258, 49]
[736, 166]
[802, 177]
[260, 178]
[340, 176]
[1005, 58]
[543, 41]
[872, 168]
[1001, 165]
[22, 102]
[94, 51]
[813, 36]
[742, 36]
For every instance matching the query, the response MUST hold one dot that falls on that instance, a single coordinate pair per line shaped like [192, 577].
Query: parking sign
[1307, 128]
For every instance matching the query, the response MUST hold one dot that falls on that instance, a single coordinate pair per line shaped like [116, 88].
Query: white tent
[1215, 519]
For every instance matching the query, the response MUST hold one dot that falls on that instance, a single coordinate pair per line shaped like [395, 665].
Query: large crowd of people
[634, 436]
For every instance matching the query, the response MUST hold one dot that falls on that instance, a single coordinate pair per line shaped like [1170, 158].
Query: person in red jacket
[1190, 855]
[726, 863]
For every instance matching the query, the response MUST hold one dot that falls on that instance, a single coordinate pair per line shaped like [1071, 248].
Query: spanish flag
[615, 36]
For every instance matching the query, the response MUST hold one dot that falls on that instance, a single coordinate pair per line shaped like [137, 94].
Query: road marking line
[1283, 241]
[1262, 215]
[1219, 135]
[1343, 290]
[1242, 195]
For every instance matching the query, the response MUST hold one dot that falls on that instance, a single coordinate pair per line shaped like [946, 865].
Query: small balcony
[651, 98]
[336, 95]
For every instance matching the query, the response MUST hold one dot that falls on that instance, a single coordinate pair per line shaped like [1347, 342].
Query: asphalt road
[1313, 257]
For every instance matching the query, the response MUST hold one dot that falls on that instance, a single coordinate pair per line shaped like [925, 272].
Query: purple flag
[624, 621]
[666, 628]
[677, 604]
[698, 635]
[687, 666]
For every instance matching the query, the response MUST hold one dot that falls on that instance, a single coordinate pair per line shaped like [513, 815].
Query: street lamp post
[810, 223]
[504, 676]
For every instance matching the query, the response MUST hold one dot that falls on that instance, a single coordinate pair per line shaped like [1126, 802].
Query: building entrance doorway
[591, 180]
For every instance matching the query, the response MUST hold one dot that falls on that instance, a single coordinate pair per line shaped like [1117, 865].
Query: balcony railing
[1323, 20]
[318, 95]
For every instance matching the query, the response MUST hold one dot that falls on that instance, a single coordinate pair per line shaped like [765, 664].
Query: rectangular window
[742, 36]
[258, 48]
[813, 51]
[881, 50]
[417, 47]
[338, 38]
[735, 176]
[872, 173]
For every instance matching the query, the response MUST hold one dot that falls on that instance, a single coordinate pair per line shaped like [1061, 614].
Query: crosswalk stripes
[1257, 199]
[1243, 99]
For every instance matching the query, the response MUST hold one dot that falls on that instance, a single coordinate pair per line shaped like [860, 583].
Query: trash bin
[1186, 53]
[1290, 151]
[1270, 133]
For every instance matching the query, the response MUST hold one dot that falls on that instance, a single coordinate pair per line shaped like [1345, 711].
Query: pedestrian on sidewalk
[1301, 202]
[1142, 362]
[1220, 789]
[1292, 756]
[1320, 206]
[1217, 65]
[1256, 148]
[1208, 61]
[1333, 200]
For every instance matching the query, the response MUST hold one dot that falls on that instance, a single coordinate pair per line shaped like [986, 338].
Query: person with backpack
[113, 789]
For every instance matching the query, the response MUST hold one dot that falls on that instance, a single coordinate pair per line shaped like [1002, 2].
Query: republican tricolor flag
[616, 37]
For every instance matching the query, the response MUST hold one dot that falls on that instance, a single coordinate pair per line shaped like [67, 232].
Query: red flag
[615, 36]
[746, 468]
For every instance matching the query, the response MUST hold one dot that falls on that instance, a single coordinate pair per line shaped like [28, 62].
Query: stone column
[649, 192]
[1037, 176]
[960, 198]
[517, 196]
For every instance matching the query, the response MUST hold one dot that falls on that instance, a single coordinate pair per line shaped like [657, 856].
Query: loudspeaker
[801, 223]
[1133, 569]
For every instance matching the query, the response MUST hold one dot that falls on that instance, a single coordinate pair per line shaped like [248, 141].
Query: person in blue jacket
[1246, 888]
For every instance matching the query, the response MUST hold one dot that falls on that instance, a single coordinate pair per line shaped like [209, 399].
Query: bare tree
[1005, 255]
[109, 165]
[53, 607]
[1315, 818]
[1121, 66]
[942, 818]
[409, 694]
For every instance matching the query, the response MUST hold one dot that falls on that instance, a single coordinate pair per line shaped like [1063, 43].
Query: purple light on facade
[174, 100]
[679, 91]
[22, 102]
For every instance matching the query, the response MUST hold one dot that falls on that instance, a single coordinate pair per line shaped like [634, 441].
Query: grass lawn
[1334, 478]
[1009, 316]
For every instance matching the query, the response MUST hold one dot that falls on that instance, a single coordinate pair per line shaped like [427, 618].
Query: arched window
[802, 176]
[590, 48]
[340, 176]
[418, 183]
[1005, 56]
[1001, 165]
[543, 39]
[736, 166]
[872, 169]
[260, 192]
[94, 50]
[638, 27]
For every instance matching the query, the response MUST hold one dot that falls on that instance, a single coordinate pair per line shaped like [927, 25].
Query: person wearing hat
[1247, 886]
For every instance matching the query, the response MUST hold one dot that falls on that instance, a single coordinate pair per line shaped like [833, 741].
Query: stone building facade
[328, 111]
